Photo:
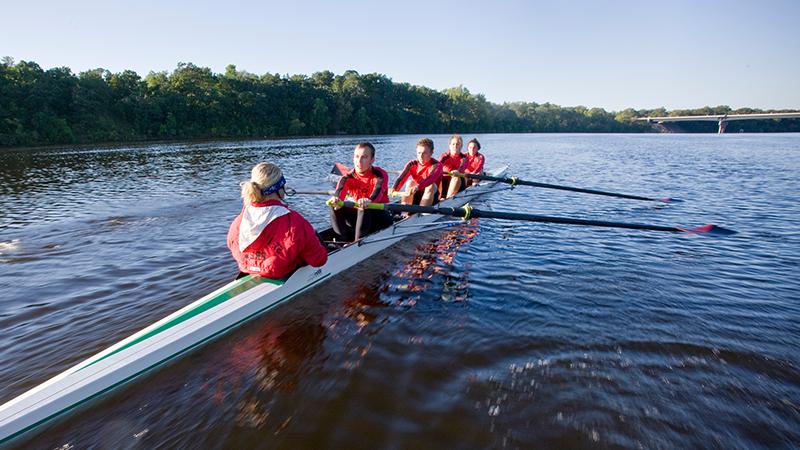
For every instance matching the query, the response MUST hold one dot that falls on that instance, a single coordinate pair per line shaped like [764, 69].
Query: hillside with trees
[56, 106]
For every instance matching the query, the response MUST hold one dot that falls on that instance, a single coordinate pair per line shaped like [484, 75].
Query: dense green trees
[55, 106]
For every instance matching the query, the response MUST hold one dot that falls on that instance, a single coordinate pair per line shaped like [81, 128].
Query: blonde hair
[263, 174]
[458, 138]
[425, 142]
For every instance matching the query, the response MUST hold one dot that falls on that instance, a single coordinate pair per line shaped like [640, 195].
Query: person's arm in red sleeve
[313, 253]
[434, 177]
[380, 185]
[385, 186]
[398, 183]
[233, 239]
[341, 191]
[443, 159]
[481, 160]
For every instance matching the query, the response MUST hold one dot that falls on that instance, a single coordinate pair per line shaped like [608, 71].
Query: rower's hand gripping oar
[467, 212]
[514, 181]
[399, 194]
[336, 204]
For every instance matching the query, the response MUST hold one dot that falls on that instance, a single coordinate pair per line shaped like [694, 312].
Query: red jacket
[474, 164]
[270, 240]
[451, 163]
[374, 185]
[423, 175]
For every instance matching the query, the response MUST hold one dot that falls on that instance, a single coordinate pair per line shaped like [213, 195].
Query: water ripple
[494, 334]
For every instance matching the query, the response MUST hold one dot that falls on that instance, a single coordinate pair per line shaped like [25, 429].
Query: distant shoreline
[41, 108]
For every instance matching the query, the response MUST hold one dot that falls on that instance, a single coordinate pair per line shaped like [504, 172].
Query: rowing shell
[197, 324]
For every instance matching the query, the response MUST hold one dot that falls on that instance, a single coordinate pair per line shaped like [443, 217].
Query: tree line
[56, 106]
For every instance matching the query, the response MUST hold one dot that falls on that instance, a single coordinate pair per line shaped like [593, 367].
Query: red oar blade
[339, 169]
[710, 229]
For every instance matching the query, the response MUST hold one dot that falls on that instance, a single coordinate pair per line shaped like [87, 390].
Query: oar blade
[339, 169]
[669, 200]
[711, 229]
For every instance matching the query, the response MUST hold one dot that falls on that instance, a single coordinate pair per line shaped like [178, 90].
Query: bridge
[722, 119]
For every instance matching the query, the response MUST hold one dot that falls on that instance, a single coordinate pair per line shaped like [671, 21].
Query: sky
[603, 53]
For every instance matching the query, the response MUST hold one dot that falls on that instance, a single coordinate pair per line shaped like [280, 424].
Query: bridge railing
[722, 119]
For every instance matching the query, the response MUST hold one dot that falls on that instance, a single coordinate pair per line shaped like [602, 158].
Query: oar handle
[352, 204]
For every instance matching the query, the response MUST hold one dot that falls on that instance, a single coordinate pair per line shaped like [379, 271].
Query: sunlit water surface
[494, 334]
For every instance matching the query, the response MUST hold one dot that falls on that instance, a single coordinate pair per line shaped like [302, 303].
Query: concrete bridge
[722, 119]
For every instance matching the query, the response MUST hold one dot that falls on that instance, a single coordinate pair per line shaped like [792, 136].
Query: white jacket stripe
[254, 220]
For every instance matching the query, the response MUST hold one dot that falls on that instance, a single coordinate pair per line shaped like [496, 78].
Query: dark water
[495, 335]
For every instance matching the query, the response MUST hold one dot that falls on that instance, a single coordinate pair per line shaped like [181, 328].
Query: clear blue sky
[604, 53]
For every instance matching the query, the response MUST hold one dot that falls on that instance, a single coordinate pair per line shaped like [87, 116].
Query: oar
[339, 169]
[468, 212]
[290, 192]
[513, 181]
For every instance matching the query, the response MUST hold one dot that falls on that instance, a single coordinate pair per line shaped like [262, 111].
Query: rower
[453, 161]
[364, 184]
[423, 175]
[267, 238]
[475, 161]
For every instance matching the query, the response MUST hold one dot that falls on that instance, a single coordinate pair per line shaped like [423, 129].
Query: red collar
[368, 174]
[268, 203]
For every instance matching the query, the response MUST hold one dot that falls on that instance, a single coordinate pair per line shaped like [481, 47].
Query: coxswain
[475, 161]
[364, 184]
[423, 175]
[268, 238]
[453, 161]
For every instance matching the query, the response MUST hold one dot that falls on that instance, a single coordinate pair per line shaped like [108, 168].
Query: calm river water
[491, 335]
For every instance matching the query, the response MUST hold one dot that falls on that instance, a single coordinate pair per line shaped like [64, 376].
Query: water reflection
[359, 307]
[280, 354]
[436, 259]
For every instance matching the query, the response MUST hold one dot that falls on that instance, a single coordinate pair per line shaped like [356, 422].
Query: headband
[275, 187]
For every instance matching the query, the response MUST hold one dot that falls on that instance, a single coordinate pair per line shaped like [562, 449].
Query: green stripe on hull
[166, 360]
[238, 287]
